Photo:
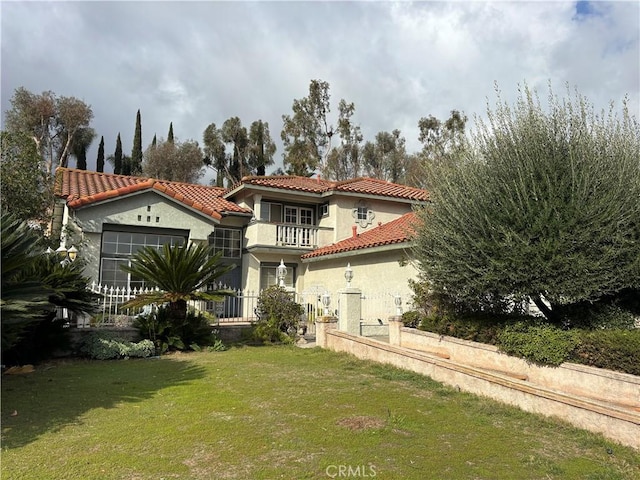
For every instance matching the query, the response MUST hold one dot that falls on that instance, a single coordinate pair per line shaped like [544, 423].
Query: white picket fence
[241, 308]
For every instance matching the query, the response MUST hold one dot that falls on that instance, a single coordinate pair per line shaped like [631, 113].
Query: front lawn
[278, 412]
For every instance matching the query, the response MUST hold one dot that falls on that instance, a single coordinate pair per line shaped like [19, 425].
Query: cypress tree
[154, 141]
[136, 153]
[117, 157]
[100, 159]
[170, 135]
[81, 160]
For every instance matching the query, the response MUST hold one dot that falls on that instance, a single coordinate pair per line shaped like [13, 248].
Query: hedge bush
[541, 344]
[611, 349]
[279, 316]
[598, 343]
[105, 345]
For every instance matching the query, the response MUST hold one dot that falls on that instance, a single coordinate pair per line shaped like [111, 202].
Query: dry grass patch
[359, 423]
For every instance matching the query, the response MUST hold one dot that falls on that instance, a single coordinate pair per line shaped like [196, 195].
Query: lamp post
[281, 273]
[66, 256]
[348, 275]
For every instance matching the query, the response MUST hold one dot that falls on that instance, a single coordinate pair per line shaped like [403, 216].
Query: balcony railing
[296, 236]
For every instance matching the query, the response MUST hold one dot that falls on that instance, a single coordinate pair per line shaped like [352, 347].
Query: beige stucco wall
[385, 271]
[125, 211]
[343, 220]
[154, 209]
[619, 424]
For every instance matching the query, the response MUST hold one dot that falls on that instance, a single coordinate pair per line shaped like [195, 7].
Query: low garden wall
[593, 399]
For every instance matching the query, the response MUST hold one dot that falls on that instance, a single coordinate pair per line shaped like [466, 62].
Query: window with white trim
[228, 241]
[119, 246]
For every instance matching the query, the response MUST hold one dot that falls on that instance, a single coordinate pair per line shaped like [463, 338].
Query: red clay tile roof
[396, 231]
[82, 187]
[373, 186]
[363, 185]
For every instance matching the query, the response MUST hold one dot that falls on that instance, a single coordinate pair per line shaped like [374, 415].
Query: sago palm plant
[180, 273]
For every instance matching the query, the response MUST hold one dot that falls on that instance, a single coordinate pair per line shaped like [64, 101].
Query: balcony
[305, 237]
[296, 236]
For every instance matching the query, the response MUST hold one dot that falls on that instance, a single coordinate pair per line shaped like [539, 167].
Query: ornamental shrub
[611, 349]
[279, 316]
[542, 344]
[168, 333]
[106, 345]
[543, 205]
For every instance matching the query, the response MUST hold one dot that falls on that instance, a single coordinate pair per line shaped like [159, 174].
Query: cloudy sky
[194, 63]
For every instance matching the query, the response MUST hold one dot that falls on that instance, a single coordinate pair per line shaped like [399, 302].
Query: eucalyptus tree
[175, 161]
[442, 142]
[236, 137]
[306, 134]
[25, 190]
[344, 161]
[543, 207]
[215, 155]
[261, 148]
[386, 157]
[52, 122]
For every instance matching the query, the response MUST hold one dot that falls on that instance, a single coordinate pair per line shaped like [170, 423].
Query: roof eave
[358, 251]
[214, 216]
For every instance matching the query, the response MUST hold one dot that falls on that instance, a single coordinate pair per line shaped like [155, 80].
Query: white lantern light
[326, 300]
[281, 273]
[72, 253]
[398, 302]
[348, 275]
[62, 251]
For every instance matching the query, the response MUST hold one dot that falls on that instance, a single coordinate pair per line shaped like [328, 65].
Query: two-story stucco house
[315, 226]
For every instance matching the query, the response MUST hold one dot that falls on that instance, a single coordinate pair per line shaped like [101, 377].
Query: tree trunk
[178, 311]
[546, 311]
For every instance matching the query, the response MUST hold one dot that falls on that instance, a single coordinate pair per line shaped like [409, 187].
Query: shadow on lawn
[57, 395]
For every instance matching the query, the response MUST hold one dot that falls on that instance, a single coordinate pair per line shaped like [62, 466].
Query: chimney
[354, 230]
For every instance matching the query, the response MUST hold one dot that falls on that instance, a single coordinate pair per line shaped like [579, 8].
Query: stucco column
[257, 206]
[324, 325]
[395, 324]
[350, 310]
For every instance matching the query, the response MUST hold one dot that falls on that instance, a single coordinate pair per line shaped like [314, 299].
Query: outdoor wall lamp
[326, 300]
[348, 275]
[398, 301]
[281, 273]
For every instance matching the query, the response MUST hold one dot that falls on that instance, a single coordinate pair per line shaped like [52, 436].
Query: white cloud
[194, 63]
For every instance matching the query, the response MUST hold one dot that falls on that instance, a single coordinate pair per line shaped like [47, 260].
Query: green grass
[278, 412]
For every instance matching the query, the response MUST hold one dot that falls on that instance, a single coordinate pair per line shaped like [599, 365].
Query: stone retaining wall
[612, 407]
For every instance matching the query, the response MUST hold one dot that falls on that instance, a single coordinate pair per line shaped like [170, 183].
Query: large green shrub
[542, 344]
[168, 333]
[611, 349]
[106, 345]
[544, 205]
[279, 316]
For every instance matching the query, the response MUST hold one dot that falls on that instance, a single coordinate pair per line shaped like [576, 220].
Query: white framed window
[119, 246]
[271, 212]
[362, 214]
[268, 276]
[323, 210]
[228, 241]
